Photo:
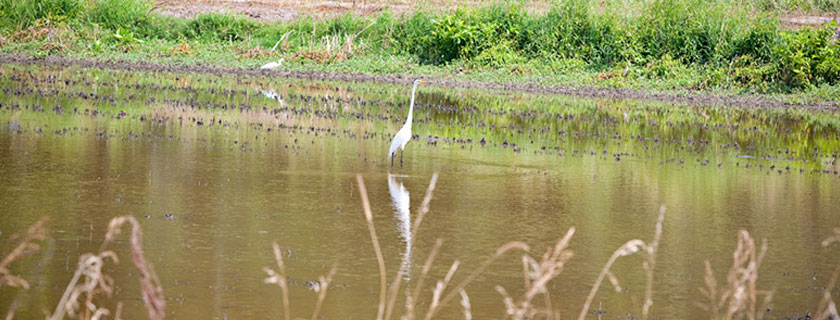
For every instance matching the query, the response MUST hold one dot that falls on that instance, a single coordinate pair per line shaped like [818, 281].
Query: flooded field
[217, 168]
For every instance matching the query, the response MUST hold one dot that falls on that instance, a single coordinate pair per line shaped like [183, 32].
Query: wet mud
[698, 98]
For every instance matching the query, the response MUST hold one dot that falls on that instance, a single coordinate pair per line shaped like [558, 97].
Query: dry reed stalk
[323, 285]
[477, 271]
[827, 309]
[410, 299]
[149, 283]
[94, 281]
[279, 278]
[26, 244]
[651, 263]
[11, 314]
[424, 207]
[710, 292]
[282, 40]
[118, 314]
[392, 294]
[380, 260]
[628, 248]
[437, 301]
[536, 276]
[439, 288]
[739, 297]
[465, 305]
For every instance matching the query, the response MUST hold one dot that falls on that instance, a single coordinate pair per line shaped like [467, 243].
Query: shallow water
[218, 168]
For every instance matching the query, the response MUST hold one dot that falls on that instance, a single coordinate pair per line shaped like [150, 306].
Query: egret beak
[422, 82]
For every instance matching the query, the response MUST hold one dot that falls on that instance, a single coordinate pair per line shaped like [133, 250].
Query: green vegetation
[721, 46]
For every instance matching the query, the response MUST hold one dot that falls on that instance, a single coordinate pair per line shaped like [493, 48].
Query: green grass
[116, 14]
[24, 13]
[722, 47]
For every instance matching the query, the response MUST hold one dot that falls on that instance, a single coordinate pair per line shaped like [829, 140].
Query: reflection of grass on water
[530, 121]
[89, 292]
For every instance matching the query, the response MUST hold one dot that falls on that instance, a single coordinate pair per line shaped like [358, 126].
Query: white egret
[402, 136]
[272, 65]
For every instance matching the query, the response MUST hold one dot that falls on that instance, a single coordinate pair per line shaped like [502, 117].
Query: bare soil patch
[287, 10]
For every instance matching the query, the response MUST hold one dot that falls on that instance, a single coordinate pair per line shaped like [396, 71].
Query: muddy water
[218, 168]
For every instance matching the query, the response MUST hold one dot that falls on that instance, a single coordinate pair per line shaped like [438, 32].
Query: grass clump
[213, 26]
[21, 14]
[116, 14]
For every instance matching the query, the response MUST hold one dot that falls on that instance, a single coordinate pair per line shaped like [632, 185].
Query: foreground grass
[719, 47]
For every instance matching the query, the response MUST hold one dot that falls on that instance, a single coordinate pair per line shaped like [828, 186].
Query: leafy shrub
[498, 56]
[664, 67]
[751, 73]
[759, 41]
[828, 66]
[806, 57]
[459, 35]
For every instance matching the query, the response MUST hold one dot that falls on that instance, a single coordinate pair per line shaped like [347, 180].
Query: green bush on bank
[806, 57]
[23, 13]
[715, 43]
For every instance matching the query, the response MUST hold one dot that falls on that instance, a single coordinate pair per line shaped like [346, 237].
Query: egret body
[404, 135]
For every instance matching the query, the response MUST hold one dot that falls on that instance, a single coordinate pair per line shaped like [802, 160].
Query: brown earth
[793, 20]
[287, 10]
[701, 98]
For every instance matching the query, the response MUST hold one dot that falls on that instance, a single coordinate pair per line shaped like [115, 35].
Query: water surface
[217, 168]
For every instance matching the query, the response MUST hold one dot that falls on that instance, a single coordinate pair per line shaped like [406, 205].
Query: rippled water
[217, 168]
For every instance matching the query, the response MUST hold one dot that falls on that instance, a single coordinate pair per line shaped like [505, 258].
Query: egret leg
[401, 152]
[392, 161]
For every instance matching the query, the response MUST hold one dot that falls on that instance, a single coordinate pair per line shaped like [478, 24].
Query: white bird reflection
[272, 95]
[401, 201]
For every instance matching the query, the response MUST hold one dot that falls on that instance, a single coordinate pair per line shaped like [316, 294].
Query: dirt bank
[288, 10]
[694, 98]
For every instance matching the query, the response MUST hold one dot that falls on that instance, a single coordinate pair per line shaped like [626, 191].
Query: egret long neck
[411, 107]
